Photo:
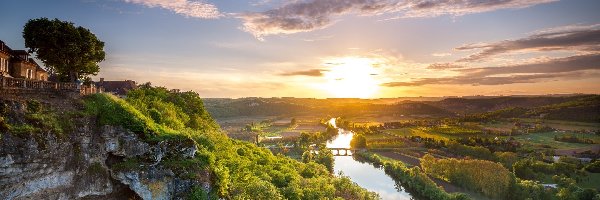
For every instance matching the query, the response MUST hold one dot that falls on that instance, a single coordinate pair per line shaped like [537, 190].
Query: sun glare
[351, 77]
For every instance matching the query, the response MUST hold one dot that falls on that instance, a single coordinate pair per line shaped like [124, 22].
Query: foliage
[36, 120]
[34, 106]
[454, 130]
[568, 190]
[176, 110]
[489, 178]
[471, 151]
[530, 190]
[573, 139]
[69, 51]
[198, 193]
[507, 159]
[4, 127]
[111, 110]
[576, 108]
[358, 141]
[532, 169]
[239, 170]
[593, 167]
[413, 179]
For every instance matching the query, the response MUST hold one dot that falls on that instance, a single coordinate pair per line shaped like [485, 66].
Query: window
[2, 67]
[29, 74]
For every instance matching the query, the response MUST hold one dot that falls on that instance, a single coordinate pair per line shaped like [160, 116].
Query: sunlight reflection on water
[363, 174]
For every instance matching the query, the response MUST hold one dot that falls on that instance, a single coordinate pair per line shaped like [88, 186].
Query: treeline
[532, 169]
[221, 108]
[474, 147]
[481, 105]
[573, 139]
[493, 180]
[415, 180]
[488, 178]
[581, 108]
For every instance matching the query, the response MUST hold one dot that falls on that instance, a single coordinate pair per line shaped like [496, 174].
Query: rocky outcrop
[80, 165]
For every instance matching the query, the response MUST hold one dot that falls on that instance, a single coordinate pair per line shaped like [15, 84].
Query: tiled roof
[117, 87]
[38, 67]
[4, 48]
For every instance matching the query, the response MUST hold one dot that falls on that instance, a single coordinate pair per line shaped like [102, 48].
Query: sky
[337, 48]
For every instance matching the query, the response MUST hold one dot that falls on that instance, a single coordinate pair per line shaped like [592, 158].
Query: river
[364, 174]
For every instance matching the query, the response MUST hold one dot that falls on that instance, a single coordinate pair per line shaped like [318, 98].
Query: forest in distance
[300, 100]
[534, 147]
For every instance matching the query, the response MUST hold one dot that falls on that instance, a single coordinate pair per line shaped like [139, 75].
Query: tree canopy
[70, 52]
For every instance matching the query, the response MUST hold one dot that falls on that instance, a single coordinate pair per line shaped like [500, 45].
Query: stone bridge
[342, 151]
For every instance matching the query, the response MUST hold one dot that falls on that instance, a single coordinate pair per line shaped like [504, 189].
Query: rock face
[79, 165]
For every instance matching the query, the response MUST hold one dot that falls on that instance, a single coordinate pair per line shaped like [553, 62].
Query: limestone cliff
[85, 160]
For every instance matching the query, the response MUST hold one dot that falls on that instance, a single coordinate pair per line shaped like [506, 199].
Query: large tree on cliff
[69, 52]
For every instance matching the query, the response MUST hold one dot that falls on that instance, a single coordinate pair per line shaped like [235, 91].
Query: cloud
[309, 15]
[311, 72]
[573, 38]
[542, 70]
[555, 65]
[501, 80]
[188, 8]
[440, 66]
[428, 8]
[441, 54]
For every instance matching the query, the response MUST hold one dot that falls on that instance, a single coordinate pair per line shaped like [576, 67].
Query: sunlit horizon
[236, 49]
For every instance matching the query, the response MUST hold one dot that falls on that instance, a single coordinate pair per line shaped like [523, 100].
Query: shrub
[34, 106]
[593, 167]
[358, 141]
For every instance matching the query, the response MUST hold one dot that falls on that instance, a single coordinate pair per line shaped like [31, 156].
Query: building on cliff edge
[18, 64]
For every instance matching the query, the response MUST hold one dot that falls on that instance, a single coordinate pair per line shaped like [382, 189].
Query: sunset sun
[351, 77]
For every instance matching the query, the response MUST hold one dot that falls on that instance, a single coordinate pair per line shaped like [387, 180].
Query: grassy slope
[239, 169]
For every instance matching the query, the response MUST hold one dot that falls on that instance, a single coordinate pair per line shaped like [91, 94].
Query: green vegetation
[577, 108]
[70, 52]
[413, 178]
[573, 139]
[489, 178]
[537, 140]
[37, 119]
[239, 170]
[593, 167]
[453, 130]
[358, 141]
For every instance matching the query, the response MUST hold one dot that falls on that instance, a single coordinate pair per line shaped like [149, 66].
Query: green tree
[68, 52]
[507, 158]
[293, 122]
[593, 167]
[358, 141]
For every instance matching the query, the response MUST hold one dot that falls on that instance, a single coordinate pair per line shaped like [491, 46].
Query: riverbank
[412, 161]
[415, 181]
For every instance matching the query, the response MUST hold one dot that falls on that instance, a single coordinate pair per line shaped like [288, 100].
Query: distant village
[18, 71]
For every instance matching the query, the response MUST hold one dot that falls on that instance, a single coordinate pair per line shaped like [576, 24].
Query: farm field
[537, 140]
[565, 125]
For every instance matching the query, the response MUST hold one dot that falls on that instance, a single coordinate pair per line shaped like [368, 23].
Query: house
[18, 64]
[119, 88]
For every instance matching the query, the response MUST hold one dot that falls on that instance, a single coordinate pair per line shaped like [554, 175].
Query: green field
[592, 180]
[538, 139]
[565, 125]
[421, 132]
